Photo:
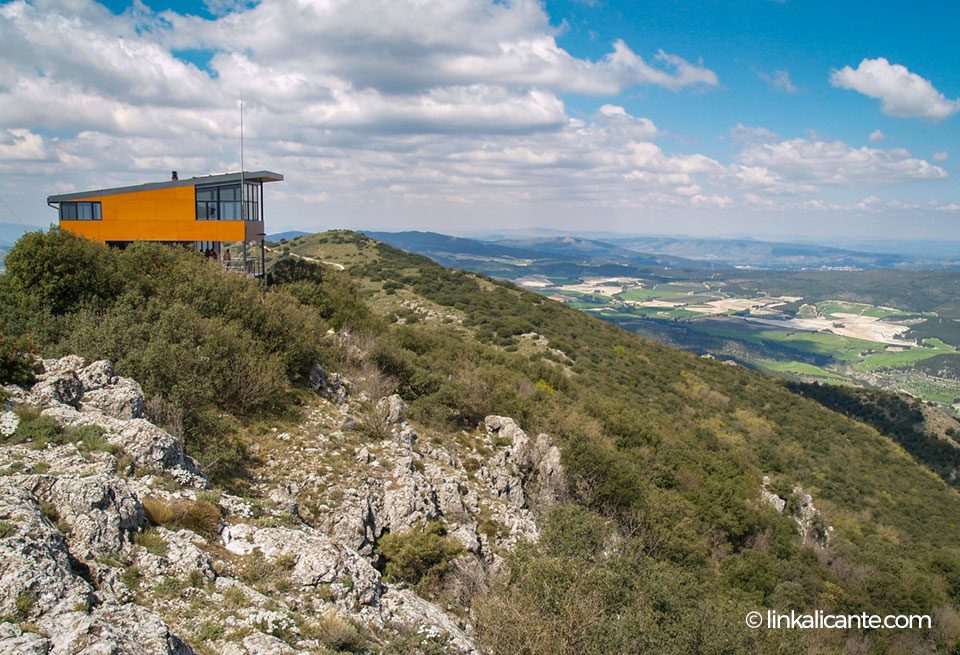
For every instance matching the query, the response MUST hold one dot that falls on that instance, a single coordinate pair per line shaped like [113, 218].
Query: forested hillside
[666, 543]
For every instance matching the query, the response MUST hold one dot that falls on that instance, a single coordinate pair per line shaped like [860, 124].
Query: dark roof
[226, 178]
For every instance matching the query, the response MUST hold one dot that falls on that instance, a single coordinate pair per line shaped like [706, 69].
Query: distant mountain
[601, 251]
[291, 234]
[454, 251]
[780, 256]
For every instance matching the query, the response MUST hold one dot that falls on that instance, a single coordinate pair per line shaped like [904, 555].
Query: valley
[877, 328]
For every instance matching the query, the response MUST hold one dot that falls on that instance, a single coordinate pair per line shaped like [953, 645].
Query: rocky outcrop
[392, 408]
[328, 385]
[100, 511]
[530, 473]
[40, 583]
[84, 566]
[810, 524]
[77, 395]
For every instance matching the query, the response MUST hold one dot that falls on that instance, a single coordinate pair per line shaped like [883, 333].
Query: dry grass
[200, 516]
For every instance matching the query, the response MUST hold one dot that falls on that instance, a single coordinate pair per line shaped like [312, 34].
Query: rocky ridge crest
[291, 567]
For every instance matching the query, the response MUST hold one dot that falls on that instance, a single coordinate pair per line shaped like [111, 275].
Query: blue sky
[734, 117]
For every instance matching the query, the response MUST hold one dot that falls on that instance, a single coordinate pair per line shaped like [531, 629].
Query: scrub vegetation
[666, 544]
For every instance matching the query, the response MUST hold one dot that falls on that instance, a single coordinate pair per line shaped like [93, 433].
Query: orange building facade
[203, 212]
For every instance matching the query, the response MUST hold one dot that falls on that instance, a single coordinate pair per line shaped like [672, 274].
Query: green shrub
[25, 601]
[423, 552]
[16, 364]
[41, 430]
[60, 271]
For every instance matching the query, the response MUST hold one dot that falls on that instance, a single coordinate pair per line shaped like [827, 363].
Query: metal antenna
[243, 207]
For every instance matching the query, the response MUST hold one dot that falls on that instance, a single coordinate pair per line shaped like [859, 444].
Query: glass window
[209, 193]
[224, 202]
[230, 211]
[230, 192]
[80, 211]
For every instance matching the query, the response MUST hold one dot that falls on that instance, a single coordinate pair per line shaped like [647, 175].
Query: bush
[40, 430]
[60, 271]
[158, 510]
[415, 555]
[16, 364]
[339, 634]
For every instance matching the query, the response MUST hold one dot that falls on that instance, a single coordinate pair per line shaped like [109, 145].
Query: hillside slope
[692, 491]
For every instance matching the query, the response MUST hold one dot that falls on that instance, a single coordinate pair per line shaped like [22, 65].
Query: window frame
[236, 206]
[73, 207]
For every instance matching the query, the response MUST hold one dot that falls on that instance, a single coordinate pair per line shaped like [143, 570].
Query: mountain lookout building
[219, 215]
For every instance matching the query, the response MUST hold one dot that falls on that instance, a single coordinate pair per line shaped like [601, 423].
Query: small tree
[60, 271]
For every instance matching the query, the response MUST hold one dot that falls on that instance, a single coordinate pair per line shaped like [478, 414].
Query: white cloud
[835, 162]
[876, 136]
[779, 80]
[943, 155]
[22, 145]
[392, 104]
[743, 134]
[904, 94]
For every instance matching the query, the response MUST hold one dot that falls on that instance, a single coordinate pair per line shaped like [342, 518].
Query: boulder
[258, 643]
[149, 446]
[392, 408]
[405, 607]
[14, 641]
[328, 385]
[316, 559]
[57, 388]
[115, 629]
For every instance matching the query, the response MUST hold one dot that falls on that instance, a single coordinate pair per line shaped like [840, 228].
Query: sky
[761, 118]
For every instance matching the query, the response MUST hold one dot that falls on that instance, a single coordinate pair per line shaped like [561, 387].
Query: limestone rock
[14, 641]
[57, 388]
[115, 629]
[123, 399]
[183, 556]
[328, 385]
[404, 606]
[97, 375]
[316, 560]
[258, 643]
[34, 561]
[70, 363]
[392, 407]
[101, 510]
[149, 446]
[9, 422]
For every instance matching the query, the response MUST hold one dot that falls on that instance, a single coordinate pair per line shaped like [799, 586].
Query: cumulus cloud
[877, 135]
[835, 162]
[22, 145]
[385, 103]
[941, 156]
[903, 94]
